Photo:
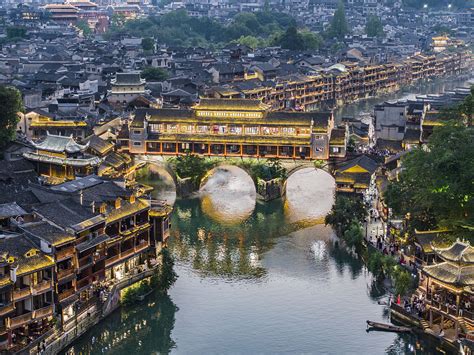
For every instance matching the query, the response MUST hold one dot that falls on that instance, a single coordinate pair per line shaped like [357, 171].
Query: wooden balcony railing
[64, 273]
[65, 253]
[21, 293]
[65, 294]
[7, 308]
[43, 312]
[20, 320]
[42, 287]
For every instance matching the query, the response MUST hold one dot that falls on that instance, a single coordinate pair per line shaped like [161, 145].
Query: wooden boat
[387, 327]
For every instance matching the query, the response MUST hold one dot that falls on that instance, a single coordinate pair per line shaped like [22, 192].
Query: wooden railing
[65, 294]
[41, 287]
[7, 308]
[65, 253]
[21, 293]
[65, 273]
[20, 320]
[43, 312]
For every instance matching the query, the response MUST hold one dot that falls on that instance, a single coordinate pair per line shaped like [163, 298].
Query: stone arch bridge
[267, 189]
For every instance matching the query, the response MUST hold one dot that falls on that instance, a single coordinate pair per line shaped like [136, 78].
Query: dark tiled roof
[48, 233]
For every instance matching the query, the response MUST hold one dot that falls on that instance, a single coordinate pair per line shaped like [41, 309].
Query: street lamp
[425, 6]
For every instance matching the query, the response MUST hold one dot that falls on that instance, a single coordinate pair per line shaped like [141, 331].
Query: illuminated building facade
[60, 158]
[231, 127]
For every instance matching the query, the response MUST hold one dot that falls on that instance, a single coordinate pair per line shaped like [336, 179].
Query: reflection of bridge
[268, 189]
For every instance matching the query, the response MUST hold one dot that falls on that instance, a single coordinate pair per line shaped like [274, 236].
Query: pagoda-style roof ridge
[60, 144]
[451, 273]
[458, 252]
[231, 104]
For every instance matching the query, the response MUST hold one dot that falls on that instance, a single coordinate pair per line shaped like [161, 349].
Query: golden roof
[231, 105]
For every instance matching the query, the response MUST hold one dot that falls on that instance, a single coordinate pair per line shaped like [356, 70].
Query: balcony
[66, 294]
[19, 294]
[43, 312]
[127, 253]
[20, 320]
[65, 253]
[112, 260]
[85, 261]
[5, 309]
[42, 287]
[65, 273]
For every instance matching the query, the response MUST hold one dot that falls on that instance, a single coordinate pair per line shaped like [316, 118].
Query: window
[137, 144]
[235, 129]
[202, 129]
[336, 149]
[137, 131]
[251, 130]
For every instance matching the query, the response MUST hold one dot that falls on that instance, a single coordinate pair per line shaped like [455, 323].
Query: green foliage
[344, 211]
[251, 41]
[15, 33]
[133, 293]
[262, 169]
[166, 276]
[297, 40]
[162, 280]
[375, 264]
[154, 74]
[354, 236]
[461, 113]
[84, 27]
[374, 27]
[148, 44]
[436, 186]
[178, 28]
[11, 104]
[191, 166]
[403, 281]
[339, 27]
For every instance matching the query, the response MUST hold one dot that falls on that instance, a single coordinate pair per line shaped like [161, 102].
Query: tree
[154, 74]
[311, 40]
[84, 27]
[403, 280]
[353, 236]
[11, 104]
[291, 39]
[15, 33]
[148, 44]
[344, 211]
[374, 27]
[339, 26]
[250, 41]
[444, 197]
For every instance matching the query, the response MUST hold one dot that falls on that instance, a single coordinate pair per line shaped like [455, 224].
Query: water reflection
[228, 196]
[133, 329]
[309, 195]
[420, 88]
[163, 184]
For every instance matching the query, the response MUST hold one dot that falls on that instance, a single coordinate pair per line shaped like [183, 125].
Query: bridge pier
[267, 189]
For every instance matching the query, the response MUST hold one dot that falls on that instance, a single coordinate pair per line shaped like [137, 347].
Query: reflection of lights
[220, 254]
[184, 214]
[201, 234]
[318, 248]
[254, 259]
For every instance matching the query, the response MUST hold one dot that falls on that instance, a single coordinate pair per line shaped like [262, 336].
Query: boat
[387, 327]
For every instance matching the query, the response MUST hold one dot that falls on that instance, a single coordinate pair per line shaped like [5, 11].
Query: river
[255, 277]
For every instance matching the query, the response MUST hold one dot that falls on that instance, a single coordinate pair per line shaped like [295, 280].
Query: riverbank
[89, 315]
